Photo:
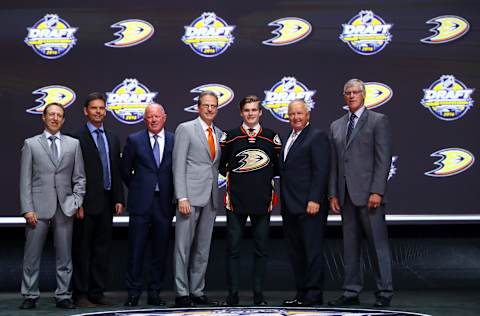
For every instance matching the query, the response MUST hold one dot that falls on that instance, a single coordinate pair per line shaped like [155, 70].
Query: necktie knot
[99, 131]
[155, 137]
[52, 138]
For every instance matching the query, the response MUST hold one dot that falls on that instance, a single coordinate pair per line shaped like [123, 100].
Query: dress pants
[304, 235]
[193, 234]
[35, 240]
[235, 224]
[156, 224]
[92, 237]
[355, 221]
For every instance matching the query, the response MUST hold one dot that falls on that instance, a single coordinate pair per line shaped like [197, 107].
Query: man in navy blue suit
[146, 169]
[304, 169]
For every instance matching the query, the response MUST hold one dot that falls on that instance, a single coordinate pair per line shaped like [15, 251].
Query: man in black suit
[146, 169]
[304, 169]
[104, 197]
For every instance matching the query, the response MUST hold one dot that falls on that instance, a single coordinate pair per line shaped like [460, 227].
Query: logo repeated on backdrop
[132, 32]
[376, 95]
[452, 161]
[59, 94]
[128, 101]
[448, 28]
[448, 98]
[286, 90]
[208, 35]
[393, 167]
[366, 33]
[289, 30]
[51, 37]
[224, 94]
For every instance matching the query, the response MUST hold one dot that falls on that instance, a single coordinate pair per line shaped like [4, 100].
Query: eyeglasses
[209, 106]
[356, 92]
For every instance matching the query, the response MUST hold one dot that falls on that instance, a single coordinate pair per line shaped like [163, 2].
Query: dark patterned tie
[351, 126]
[53, 148]
[102, 150]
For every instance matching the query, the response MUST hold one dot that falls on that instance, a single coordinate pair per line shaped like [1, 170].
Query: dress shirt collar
[298, 133]
[358, 112]
[93, 128]
[48, 134]
[205, 125]
[256, 128]
[161, 134]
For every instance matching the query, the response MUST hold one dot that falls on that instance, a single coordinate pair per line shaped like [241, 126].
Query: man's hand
[184, 207]
[313, 208]
[31, 218]
[118, 208]
[80, 214]
[374, 200]
[334, 205]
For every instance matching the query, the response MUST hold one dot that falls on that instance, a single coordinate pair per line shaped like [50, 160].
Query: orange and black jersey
[249, 162]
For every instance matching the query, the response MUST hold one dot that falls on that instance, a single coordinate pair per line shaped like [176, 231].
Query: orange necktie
[211, 143]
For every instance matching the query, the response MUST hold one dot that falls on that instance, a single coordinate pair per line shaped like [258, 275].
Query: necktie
[156, 150]
[53, 147]
[102, 150]
[292, 140]
[351, 125]
[211, 143]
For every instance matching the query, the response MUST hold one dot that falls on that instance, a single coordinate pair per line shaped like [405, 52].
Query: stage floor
[434, 302]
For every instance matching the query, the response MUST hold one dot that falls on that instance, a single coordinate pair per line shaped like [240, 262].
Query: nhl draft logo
[128, 101]
[132, 32]
[452, 161]
[51, 37]
[447, 28]
[208, 35]
[448, 98]
[366, 33]
[289, 30]
[58, 94]
[282, 93]
[224, 95]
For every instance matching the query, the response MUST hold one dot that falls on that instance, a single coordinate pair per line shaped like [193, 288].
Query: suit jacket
[195, 174]
[304, 174]
[43, 181]
[364, 162]
[141, 174]
[94, 200]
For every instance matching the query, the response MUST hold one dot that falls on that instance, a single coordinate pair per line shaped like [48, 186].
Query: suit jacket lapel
[298, 141]
[360, 123]
[149, 149]
[201, 134]
[218, 150]
[44, 143]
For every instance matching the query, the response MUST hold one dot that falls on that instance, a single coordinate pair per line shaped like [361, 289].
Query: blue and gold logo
[448, 98]
[289, 30]
[282, 93]
[452, 161]
[366, 33]
[51, 37]
[225, 95]
[132, 32]
[58, 94]
[377, 94]
[128, 101]
[208, 35]
[447, 28]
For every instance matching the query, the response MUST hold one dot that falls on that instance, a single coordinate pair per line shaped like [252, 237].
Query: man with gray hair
[361, 157]
[304, 167]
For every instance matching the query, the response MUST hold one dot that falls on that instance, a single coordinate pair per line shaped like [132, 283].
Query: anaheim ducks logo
[448, 28]
[51, 37]
[282, 93]
[59, 94]
[393, 167]
[452, 161]
[448, 98]
[366, 33]
[132, 32]
[128, 101]
[208, 35]
[289, 31]
[225, 95]
[252, 159]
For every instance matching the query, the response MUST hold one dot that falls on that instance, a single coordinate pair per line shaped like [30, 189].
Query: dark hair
[53, 104]
[204, 93]
[249, 99]
[94, 96]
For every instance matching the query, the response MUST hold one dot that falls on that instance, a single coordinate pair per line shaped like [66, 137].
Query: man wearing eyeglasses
[196, 156]
[361, 157]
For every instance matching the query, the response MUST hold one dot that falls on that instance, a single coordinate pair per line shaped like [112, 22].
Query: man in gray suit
[52, 186]
[361, 157]
[196, 156]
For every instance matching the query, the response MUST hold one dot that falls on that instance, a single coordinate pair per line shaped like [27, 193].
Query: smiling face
[298, 115]
[208, 108]
[95, 112]
[53, 118]
[354, 96]
[155, 118]
[251, 113]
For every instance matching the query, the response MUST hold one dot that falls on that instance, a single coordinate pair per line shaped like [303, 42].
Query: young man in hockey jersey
[249, 162]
